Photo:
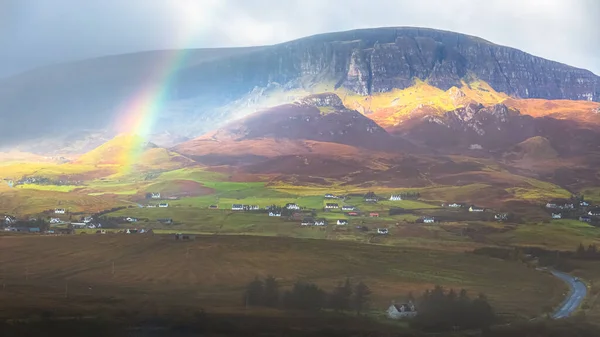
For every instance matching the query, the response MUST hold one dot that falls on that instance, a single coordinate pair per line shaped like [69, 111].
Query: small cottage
[331, 206]
[556, 215]
[428, 219]
[374, 215]
[348, 208]
[404, 310]
[383, 231]
[292, 206]
[273, 213]
[476, 209]
[155, 195]
[455, 205]
[320, 222]
[164, 205]
[353, 214]
[396, 197]
[342, 222]
[330, 196]
[237, 207]
[501, 217]
[59, 211]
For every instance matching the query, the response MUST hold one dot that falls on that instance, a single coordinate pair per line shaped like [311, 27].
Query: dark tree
[580, 251]
[254, 293]
[304, 296]
[341, 296]
[483, 313]
[361, 297]
[271, 292]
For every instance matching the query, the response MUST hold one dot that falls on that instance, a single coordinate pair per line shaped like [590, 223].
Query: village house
[9, 220]
[594, 212]
[348, 208]
[54, 221]
[330, 196]
[476, 209]
[213, 207]
[155, 195]
[374, 215]
[371, 197]
[501, 217]
[396, 197]
[307, 222]
[556, 215]
[428, 219]
[59, 211]
[342, 222]
[383, 231]
[585, 219]
[237, 207]
[274, 213]
[292, 206]
[130, 219]
[398, 311]
[320, 222]
[331, 206]
[164, 205]
[455, 205]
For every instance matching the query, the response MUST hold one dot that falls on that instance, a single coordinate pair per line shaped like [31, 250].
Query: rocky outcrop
[323, 100]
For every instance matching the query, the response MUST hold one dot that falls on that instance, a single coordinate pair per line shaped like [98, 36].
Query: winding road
[577, 292]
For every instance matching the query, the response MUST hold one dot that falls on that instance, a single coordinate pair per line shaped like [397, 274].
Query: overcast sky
[37, 32]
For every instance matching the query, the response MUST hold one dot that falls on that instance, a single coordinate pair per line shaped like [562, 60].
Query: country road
[577, 292]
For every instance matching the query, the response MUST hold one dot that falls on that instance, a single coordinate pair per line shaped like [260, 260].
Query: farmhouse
[307, 222]
[585, 219]
[501, 217]
[374, 215]
[331, 206]
[164, 205]
[330, 196]
[274, 213]
[342, 222]
[371, 197]
[476, 209]
[396, 197]
[237, 207]
[292, 206]
[398, 311]
[556, 215]
[155, 195]
[320, 222]
[348, 208]
[383, 231]
[428, 219]
[59, 211]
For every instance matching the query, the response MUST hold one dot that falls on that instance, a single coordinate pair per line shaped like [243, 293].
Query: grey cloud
[37, 32]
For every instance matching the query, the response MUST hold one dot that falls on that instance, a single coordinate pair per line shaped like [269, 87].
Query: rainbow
[137, 120]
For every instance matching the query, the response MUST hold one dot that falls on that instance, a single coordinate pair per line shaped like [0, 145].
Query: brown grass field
[158, 273]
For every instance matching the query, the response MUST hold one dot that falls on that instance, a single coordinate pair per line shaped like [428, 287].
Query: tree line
[306, 296]
[440, 310]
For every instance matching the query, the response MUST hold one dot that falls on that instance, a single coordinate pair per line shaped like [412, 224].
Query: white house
[594, 212]
[428, 219]
[155, 196]
[398, 311]
[348, 208]
[476, 209]
[292, 206]
[331, 206]
[330, 196]
[320, 222]
[55, 220]
[307, 222]
[396, 197]
[274, 213]
[383, 231]
[150, 206]
[163, 205]
[501, 217]
[550, 205]
[237, 207]
[342, 222]
[556, 215]
[59, 211]
[129, 219]
[9, 220]
[455, 205]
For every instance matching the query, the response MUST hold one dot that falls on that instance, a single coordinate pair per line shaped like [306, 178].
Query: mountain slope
[206, 91]
[317, 118]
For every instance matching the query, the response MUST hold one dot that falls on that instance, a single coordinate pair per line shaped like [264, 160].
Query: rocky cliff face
[89, 95]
